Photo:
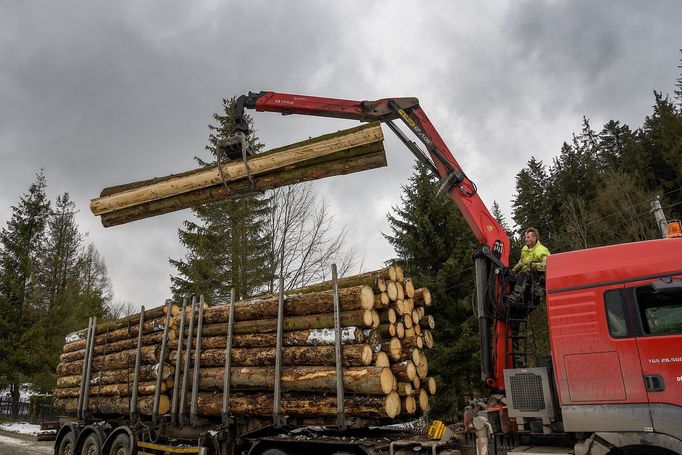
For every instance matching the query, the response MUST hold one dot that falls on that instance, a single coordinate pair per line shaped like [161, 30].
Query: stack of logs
[385, 370]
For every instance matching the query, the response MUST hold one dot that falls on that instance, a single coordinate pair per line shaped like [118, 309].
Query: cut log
[387, 330]
[399, 274]
[357, 318]
[129, 321]
[409, 288]
[393, 348]
[430, 385]
[416, 383]
[353, 298]
[357, 159]
[392, 290]
[353, 355]
[306, 405]
[381, 300]
[428, 322]
[400, 329]
[422, 297]
[113, 361]
[375, 279]
[407, 320]
[428, 338]
[380, 359]
[154, 326]
[423, 367]
[415, 317]
[401, 290]
[410, 333]
[366, 380]
[404, 371]
[404, 389]
[121, 345]
[417, 330]
[258, 164]
[388, 316]
[423, 400]
[147, 373]
[372, 338]
[412, 354]
[114, 405]
[409, 405]
[122, 390]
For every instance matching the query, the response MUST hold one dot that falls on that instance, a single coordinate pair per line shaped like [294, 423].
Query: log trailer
[613, 382]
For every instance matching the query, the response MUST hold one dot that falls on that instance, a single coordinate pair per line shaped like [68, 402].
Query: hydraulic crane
[492, 258]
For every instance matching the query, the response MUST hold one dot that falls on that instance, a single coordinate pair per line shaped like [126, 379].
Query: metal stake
[276, 416]
[136, 374]
[88, 339]
[340, 416]
[228, 363]
[178, 363]
[197, 365]
[185, 373]
[86, 391]
[162, 356]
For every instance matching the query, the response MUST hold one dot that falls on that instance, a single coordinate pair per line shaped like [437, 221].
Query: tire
[121, 445]
[91, 445]
[274, 451]
[67, 446]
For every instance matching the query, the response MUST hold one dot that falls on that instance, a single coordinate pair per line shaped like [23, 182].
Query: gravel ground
[19, 444]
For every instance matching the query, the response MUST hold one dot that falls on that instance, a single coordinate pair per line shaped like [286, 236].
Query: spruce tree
[435, 244]
[22, 242]
[530, 205]
[228, 244]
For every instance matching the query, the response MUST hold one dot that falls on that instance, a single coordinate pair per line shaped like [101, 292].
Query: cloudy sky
[101, 93]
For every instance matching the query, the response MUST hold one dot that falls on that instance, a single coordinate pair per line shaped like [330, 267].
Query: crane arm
[493, 254]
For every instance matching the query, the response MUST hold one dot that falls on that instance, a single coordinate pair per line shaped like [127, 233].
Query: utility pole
[660, 216]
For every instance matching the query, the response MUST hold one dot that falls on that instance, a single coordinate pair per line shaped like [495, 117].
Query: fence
[34, 411]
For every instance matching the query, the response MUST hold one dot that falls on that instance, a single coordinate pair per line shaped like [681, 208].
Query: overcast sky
[102, 93]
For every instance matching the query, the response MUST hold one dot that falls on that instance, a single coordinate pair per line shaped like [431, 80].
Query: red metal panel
[578, 331]
[613, 263]
[594, 377]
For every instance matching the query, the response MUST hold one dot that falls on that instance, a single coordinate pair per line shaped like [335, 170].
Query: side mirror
[667, 286]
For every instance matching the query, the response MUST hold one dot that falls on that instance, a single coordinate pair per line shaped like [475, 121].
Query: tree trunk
[121, 389]
[354, 160]
[305, 405]
[147, 373]
[129, 321]
[116, 360]
[380, 359]
[122, 345]
[422, 297]
[353, 355]
[114, 405]
[393, 348]
[409, 405]
[404, 371]
[359, 318]
[366, 380]
[376, 279]
[354, 298]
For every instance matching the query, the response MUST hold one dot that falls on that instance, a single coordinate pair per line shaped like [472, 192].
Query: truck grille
[526, 392]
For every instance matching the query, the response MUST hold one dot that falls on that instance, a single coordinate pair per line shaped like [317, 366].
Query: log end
[431, 385]
[376, 319]
[387, 380]
[392, 291]
[395, 348]
[366, 298]
[409, 405]
[416, 357]
[409, 288]
[367, 354]
[381, 359]
[392, 404]
[423, 400]
[416, 383]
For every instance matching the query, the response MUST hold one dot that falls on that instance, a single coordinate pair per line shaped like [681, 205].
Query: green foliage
[435, 244]
[228, 245]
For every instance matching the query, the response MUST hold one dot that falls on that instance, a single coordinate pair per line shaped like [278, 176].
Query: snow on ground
[12, 441]
[21, 428]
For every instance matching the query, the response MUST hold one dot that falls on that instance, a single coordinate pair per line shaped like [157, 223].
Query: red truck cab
[615, 325]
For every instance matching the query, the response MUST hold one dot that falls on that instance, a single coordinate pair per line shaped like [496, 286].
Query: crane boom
[493, 254]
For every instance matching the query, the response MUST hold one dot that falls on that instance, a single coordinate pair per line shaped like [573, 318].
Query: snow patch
[318, 337]
[21, 428]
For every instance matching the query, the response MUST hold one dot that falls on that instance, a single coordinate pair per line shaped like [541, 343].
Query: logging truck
[612, 385]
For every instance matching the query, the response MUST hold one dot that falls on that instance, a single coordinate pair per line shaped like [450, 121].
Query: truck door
[659, 311]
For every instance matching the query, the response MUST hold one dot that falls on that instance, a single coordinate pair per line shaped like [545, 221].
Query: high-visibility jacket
[533, 258]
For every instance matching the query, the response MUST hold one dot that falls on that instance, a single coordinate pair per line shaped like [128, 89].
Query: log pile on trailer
[280, 351]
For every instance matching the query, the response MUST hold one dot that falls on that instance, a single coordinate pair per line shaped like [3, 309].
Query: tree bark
[353, 298]
[353, 355]
[114, 405]
[393, 348]
[121, 345]
[306, 405]
[404, 371]
[376, 279]
[116, 360]
[292, 155]
[147, 373]
[422, 297]
[380, 359]
[359, 318]
[129, 321]
[121, 389]
[366, 380]
[430, 385]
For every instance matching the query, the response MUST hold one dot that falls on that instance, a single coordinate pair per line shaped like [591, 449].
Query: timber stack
[384, 333]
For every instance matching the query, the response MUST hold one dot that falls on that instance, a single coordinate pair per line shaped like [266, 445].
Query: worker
[533, 258]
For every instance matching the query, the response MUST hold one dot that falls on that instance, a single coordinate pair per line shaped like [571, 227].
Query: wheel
[121, 445]
[91, 445]
[67, 446]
